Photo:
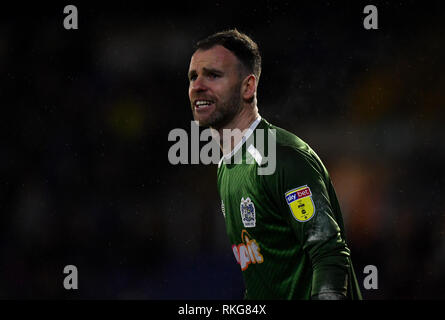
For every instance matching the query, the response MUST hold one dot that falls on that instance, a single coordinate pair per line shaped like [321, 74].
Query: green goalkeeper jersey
[284, 224]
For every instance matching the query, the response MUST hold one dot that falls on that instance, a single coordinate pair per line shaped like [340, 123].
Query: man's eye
[214, 75]
[192, 78]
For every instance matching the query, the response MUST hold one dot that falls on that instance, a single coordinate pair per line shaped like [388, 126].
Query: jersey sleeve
[299, 187]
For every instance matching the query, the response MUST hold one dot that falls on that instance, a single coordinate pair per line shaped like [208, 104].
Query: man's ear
[248, 88]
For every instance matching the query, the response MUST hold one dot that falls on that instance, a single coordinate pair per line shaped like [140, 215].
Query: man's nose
[198, 85]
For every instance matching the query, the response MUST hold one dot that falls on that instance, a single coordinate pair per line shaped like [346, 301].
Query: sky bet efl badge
[300, 203]
[247, 213]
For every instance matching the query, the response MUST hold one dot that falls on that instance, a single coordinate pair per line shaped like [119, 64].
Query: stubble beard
[224, 111]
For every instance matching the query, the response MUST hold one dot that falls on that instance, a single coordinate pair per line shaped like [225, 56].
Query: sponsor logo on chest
[247, 252]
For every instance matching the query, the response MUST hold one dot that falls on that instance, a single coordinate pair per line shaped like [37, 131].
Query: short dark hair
[240, 44]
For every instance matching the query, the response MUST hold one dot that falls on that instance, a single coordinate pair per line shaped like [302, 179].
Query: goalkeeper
[286, 226]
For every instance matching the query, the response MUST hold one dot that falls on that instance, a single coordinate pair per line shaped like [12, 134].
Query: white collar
[246, 136]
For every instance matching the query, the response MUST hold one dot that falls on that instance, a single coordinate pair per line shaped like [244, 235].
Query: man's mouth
[202, 105]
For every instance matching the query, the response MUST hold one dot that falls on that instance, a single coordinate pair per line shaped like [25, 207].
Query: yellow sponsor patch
[300, 203]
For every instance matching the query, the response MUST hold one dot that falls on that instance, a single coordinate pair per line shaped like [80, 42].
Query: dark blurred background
[85, 115]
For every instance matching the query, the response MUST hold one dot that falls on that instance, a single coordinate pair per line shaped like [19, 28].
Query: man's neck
[232, 133]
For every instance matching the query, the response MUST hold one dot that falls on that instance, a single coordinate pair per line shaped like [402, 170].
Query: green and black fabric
[286, 227]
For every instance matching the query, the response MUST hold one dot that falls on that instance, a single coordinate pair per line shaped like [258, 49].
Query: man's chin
[206, 118]
[215, 120]
[201, 122]
[204, 121]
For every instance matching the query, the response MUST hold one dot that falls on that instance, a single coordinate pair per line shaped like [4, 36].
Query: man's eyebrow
[206, 70]
[212, 70]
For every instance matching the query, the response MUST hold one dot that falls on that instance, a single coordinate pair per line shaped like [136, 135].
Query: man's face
[215, 86]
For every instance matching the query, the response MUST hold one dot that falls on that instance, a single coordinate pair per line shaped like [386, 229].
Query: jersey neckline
[246, 136]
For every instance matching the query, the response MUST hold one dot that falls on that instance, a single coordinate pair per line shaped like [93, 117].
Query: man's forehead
[217, 56]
